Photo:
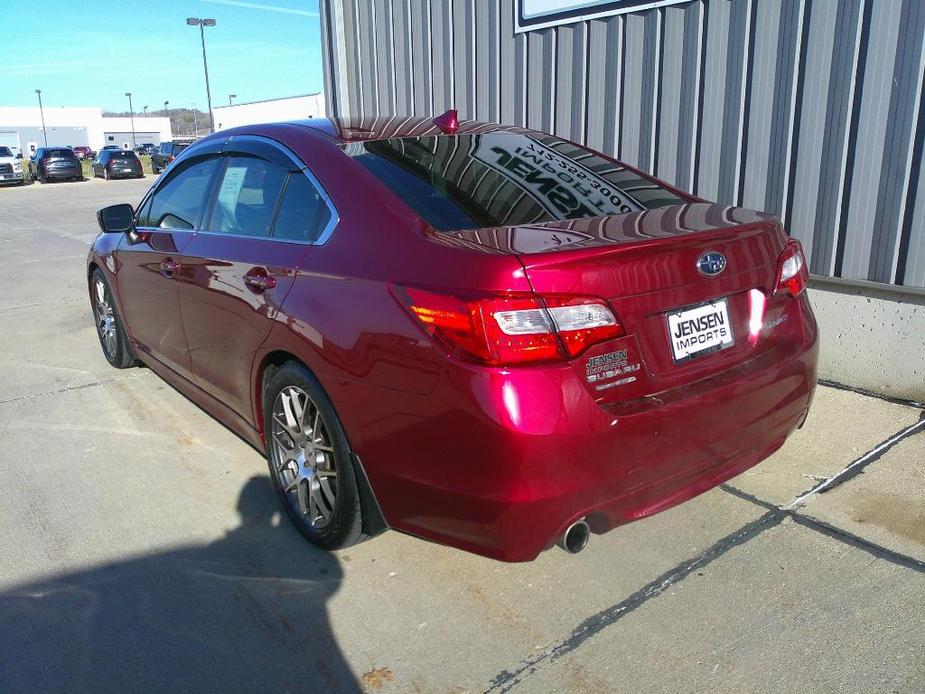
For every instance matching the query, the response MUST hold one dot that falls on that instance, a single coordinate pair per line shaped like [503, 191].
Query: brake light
[514, 328]
[792, 275]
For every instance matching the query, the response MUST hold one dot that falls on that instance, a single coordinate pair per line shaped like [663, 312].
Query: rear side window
[247, 196]
[178, 203]
[303, 213]
[505, 178]
[177, 148]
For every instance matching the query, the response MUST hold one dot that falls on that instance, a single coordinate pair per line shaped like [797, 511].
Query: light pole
[131, 115]
[230, 97]
[42, 115]
[202, 23]
[195, 119]
[145, 109]
[167, 111]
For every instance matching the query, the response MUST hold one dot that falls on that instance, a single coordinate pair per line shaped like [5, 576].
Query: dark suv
[166, 153]
[117, 163]
[55, 163]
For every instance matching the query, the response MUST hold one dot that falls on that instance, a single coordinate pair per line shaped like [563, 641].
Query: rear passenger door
[238, 269]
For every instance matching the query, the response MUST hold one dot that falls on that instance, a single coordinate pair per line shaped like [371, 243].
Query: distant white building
[269, 111]
[21, 128]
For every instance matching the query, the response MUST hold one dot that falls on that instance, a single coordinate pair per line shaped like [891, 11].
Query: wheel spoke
[100, 292]
[312, 503]
[325, 499]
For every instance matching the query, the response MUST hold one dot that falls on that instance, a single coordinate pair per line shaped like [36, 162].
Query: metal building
[809, 109]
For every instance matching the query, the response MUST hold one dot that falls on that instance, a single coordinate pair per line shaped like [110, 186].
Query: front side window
[247, 195]
[303, 213]
[179, 202]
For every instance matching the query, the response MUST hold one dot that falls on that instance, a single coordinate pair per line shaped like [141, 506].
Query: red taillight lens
[792, 275]
[508, 329]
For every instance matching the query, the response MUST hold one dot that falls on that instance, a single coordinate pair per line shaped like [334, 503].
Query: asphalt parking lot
[143, 549]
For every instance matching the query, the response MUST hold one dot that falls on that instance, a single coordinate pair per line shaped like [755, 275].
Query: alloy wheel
[302, 456]
[105, 318]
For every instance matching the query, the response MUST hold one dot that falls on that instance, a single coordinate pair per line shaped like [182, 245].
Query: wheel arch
[373, 520]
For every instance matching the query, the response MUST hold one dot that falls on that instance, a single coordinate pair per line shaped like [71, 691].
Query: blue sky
[100, 49]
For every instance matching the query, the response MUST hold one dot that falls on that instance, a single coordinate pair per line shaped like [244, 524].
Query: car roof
[355, 129]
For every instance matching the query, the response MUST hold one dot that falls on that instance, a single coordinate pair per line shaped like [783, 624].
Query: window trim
[228, 147]
[174, 172]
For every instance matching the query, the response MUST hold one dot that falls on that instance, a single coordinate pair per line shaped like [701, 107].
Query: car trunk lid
[646, 265]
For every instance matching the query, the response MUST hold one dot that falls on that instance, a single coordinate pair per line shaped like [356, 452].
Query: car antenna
[448, 122]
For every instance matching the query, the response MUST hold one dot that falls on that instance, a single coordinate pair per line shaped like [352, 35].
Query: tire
[154, 168]
[105, 174]
[305, 453]
[109, 327]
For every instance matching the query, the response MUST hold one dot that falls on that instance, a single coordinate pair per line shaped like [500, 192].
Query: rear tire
[105, 174]
[310, 460]
[109, 328]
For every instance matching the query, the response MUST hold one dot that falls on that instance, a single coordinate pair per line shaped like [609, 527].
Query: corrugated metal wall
[810, 109]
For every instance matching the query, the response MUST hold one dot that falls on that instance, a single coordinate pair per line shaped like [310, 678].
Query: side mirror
[116, 219]
[19, 155]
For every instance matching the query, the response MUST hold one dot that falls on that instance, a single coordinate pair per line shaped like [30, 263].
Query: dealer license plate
[699, 330]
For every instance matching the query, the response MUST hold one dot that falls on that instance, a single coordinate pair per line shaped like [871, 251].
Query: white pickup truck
[10, 167]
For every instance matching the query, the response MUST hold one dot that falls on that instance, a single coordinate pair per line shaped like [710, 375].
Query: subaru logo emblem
[711, 263]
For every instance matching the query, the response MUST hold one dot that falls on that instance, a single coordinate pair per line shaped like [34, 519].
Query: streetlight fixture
[230, 97]
[42, 115]
[145, 109]
[131, 115]
[202, 23]
[167, 111]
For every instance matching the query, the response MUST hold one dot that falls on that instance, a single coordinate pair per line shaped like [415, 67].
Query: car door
[238, 269]
[149, 260]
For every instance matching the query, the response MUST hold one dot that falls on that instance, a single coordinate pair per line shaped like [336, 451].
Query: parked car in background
[117, 163]
[10, 167]
[55, 164]
[111, 147]
[84, 152]
[166, 153]
[481, 335]
[147, 148]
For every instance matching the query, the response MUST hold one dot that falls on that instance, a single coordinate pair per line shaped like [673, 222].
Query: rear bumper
[69, 172]
[507, 484]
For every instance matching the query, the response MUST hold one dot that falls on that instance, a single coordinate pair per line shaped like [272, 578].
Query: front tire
[109, 328]
[310, 459]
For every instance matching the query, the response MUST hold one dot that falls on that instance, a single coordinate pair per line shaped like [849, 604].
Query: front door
[149, 262]
[235, 273]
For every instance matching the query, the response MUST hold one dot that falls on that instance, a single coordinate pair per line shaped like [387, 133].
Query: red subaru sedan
[481, 335]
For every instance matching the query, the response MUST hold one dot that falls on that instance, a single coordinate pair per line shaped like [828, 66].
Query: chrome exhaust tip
[575, 538]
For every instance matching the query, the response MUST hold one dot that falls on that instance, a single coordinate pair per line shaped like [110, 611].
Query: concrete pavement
[143, 548]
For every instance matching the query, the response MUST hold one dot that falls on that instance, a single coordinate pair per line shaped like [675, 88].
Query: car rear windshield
[59, 153]
[122, 155]
[493, 179]
[179, 147]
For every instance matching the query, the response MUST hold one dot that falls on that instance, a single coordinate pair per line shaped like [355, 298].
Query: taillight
[509, 329]
[792, 274]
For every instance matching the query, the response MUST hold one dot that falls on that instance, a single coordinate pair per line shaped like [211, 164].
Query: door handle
[258, 280]
[169, 267]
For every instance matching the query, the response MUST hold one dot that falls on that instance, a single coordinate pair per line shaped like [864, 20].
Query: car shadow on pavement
[244, 613]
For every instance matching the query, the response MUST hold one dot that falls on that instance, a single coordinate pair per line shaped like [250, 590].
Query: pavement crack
[83, 386]
[871, 394]
[857, 466]
[507, 679]
[831, 531]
